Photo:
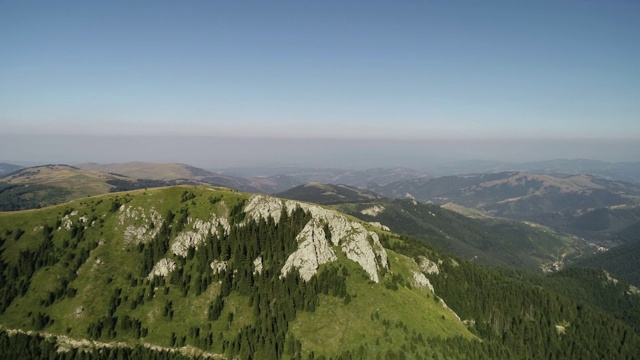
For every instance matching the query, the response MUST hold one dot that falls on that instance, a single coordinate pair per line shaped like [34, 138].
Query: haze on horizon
[359, 83]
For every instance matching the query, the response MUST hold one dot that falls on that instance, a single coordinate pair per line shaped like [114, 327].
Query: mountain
[619, 171]
[46, 185]
[328, 194]
[181, 265]
[208, 272]
[485, 240]
[622, 261]
[7, 168]
[50, 184]
[488, 241]
[172, 172]
[600, 289]
[279, 179]
[557, 201]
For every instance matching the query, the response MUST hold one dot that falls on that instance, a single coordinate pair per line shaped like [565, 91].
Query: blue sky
[415, 70]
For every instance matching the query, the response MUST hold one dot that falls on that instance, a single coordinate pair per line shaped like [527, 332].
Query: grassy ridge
[94, 275]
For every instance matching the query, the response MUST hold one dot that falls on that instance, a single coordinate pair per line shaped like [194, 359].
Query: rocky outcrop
[420, 281]
[313, 251]
[379, 226]
[141, 225]
[355, 241]
[257, 265]
[218, 266]
[428, 266]
[66, 222]
[162, 268]
[198, 234]
[373, 211]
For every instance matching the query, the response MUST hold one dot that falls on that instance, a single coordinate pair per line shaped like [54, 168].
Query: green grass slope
[80, 270]
[488, 241]
[47, 185]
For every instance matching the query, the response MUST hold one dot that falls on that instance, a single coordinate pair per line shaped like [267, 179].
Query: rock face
[428, 266]
[197, 236]
[421, 281]
[139, 228]
[373, 211]
[353, 239]
[313, 251]
[218, 266]
[66, 222]
[162, 268]
[257, 265]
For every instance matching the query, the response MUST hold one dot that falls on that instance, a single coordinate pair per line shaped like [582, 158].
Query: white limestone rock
[313, 251]
[379, 226]
[138, 223]
[373, 211]
[428, 266]
[358, 244]
[358, 249]
[65, 223]
[262, 206]
[218, 266]
[162, 268]
[196, 236]
[257, 265]
[420, 281]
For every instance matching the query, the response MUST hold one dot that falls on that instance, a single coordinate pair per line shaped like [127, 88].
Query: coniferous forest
[74, 288]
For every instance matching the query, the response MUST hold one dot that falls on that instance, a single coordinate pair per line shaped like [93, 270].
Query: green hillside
[487, 241]
[203, 271]
[586, 206]
[328, 194]
[46, 185]
[82, 270]
[623, 261]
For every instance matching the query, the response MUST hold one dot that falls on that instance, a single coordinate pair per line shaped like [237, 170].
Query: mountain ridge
[222, 255]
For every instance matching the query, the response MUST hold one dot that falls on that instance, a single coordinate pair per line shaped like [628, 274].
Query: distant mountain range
[599, 209]
[172, 172]
[7, 168]
[179, 268]
[205, 272]
[488, 241]
[328, 194]
[567, 203]
[620, 171]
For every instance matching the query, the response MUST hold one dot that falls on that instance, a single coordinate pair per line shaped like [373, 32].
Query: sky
[369, 83]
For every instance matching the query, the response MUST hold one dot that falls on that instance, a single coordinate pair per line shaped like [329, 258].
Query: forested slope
[202, 271]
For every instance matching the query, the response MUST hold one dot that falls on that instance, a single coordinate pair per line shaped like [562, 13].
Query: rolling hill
[565, 203]
[328, 194]
[51, 184]
[466, 233]
[208, 272]
[39, 186]
[618, 171]
[488, 241]
[172, 172]
[7, 168]
[279, 179]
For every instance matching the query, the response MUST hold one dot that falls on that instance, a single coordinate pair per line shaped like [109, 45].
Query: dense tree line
[533, 322]
[21, 197]
[514, 315]
[20, 346]
[526, 316]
